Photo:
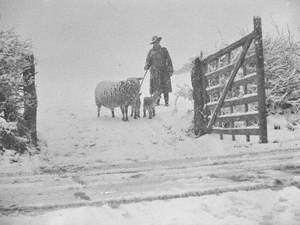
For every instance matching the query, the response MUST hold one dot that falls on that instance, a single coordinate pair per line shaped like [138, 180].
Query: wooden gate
[233, 91]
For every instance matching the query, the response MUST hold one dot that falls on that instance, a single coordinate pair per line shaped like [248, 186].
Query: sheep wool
[112, 94]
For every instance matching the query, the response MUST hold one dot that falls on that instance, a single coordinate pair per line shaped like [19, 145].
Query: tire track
[149, 181]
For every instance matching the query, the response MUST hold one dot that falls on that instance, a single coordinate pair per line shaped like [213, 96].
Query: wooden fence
[229, 90]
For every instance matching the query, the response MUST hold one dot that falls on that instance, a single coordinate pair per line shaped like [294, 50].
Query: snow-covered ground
[87, 161]
[70, 127]
[70, 132]
[264, 207]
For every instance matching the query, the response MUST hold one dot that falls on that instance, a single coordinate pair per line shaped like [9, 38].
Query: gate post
[30, 100]
[262, 116]
[198, 94]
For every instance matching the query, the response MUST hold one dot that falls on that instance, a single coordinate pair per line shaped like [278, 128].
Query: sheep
[136, 105]
[149, 104]
[135, 108]
[121, 94]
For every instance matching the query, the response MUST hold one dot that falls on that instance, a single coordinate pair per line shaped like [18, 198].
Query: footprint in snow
[82, 196]
[114, 205]
[137, 176]
[78, 180]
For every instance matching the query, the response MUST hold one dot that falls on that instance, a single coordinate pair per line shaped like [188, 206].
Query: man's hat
[155, 39]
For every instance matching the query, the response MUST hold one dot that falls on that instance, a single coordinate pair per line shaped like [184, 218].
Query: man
[161, 69]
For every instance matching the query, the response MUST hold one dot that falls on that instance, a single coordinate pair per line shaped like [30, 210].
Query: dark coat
[161, 70]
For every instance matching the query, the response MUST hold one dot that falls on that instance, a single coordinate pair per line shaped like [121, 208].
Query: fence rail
[229, 48]
[233, 91]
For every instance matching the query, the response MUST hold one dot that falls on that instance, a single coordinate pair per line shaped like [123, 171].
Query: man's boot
[166, 97]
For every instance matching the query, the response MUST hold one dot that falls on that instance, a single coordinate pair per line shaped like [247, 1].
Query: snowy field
[71, 134]
[106, 171]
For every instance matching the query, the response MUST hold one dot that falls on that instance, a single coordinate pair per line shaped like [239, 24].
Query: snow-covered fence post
[199, 93]
[30, 100]
[262, 116]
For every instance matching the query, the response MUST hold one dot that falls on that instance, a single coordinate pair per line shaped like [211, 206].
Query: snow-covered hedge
[9, 137]
[282, 69]
[14, 55]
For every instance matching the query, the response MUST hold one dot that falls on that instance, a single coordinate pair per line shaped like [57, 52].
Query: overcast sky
[110, 39]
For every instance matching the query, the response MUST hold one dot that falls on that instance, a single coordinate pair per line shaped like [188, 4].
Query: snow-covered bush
[9, 137]
[185, 92]
[282, 69]
[14, 55]
[14, 59]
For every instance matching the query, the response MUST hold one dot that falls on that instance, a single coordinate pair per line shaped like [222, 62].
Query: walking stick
[136, 97]
[143, 79]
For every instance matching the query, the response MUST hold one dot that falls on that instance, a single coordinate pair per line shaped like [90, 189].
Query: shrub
[14, 59]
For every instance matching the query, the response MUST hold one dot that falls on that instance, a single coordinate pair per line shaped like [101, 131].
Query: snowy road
[95, 185]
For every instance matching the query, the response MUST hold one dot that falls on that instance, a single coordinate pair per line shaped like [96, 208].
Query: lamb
[149, 104]
[121, 94]
[135, 107]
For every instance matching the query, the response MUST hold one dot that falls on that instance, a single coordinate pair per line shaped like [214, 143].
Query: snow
[73, 138]
[72, 122]
[247, 208]
[71, 133]
[7, 126]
